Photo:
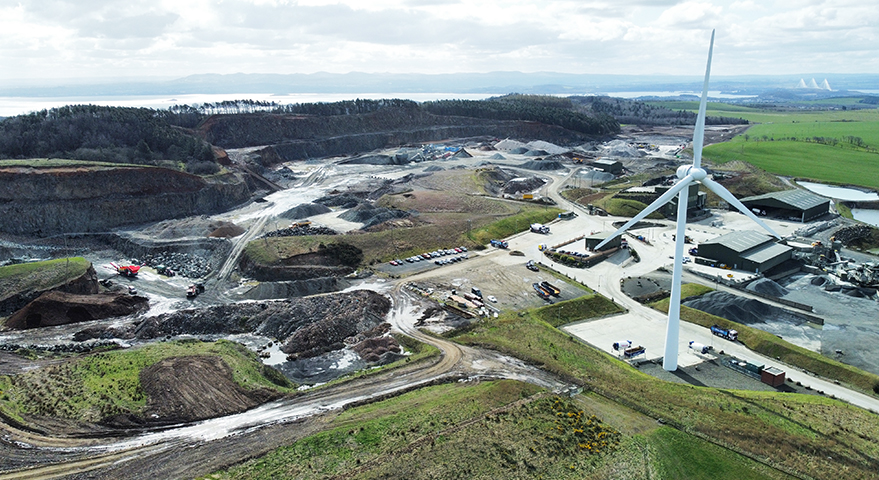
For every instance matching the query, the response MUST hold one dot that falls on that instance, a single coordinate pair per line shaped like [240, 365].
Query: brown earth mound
[59, 308]
[187, 389]
[227, 230]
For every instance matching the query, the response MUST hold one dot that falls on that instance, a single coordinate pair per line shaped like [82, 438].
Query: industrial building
[695, 200]
[596, 238]
[746, 250]
[794, 204]
[609, 166]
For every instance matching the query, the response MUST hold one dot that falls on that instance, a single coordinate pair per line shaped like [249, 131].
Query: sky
[44, 40]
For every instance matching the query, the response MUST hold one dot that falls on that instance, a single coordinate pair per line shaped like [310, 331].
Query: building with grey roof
[796, 204]
[746, 250]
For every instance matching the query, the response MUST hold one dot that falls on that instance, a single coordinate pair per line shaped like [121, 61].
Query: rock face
[47, 201]
[60, 308]
[299, 137]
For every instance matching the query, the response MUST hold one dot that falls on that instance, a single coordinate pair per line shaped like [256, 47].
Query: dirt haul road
[201, 448]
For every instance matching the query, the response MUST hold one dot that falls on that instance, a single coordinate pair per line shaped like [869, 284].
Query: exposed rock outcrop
[59, 308]
[47, 201]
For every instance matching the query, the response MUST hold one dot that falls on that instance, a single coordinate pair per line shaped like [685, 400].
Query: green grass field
[802, 160]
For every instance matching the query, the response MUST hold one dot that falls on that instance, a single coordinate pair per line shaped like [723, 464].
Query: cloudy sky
[173, 38]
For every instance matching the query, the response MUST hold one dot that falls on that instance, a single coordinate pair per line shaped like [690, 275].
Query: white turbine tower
[687, 175]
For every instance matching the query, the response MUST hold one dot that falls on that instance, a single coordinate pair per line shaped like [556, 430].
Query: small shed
[593, 240]
[772, 376]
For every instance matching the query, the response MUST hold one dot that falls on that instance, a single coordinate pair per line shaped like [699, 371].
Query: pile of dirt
[319, 323]
[519, 150]
[59, 308]
[497, 156]
[370, 215]
[541, 165]
[305, 210]
[767, 286]
[520, 185]
[434, 168]
[197, 226]
[620, 148]
[188, 389]
[378, 350]
[227, 230]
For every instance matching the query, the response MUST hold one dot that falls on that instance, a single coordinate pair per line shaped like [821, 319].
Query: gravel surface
[713, 373]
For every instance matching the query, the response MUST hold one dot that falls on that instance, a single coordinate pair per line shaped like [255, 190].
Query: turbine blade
[699, 129]
[650, 208]
[724, 194]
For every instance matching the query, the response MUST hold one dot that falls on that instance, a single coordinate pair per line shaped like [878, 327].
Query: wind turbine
[687, 174]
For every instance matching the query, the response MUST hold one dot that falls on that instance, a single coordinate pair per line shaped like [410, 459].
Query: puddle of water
[840, 193]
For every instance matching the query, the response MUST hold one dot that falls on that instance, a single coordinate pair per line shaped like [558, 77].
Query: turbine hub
[696, 172]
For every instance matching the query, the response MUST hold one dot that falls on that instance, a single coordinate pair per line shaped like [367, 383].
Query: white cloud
[172, 37]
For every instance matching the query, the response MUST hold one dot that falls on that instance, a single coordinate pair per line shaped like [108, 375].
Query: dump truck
[634, 351]
[538, 228]
[554, 291]
[725, 332]
[499, 244]
[540, 291]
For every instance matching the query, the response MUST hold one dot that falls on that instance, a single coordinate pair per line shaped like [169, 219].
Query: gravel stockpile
[536, 153]
[746, 311]
[370, 215]
[184, 264]
[301, 231]
[305, 210]
[542, 165]
[619, 148]
[497, 156]
[767, 287]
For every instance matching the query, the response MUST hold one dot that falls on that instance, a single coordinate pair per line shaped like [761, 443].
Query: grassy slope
[803, 160]
[805, 434]
[40, 275]
[499, 429]
[96, 386]
[401, 243]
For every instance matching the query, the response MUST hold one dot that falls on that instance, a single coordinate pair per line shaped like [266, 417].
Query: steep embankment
[21, 284]
[296, 137]
[46, 201]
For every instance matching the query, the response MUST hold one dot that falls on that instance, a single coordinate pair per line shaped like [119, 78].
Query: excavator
[126, 270]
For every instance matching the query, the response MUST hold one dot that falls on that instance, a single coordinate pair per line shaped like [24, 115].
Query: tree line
[640, 113]
[107, 134]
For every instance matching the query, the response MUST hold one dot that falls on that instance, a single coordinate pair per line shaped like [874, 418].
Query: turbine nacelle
[697, 173]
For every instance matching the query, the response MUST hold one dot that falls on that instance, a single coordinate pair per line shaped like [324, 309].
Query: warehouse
[794, 204]
[745, 250]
